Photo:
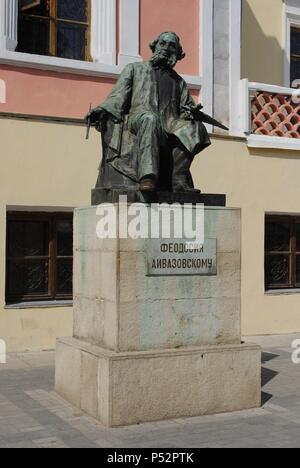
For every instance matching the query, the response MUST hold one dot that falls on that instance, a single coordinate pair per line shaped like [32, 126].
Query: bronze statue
[151, 128]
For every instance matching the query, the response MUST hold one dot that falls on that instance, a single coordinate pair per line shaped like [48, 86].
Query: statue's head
[167, 50]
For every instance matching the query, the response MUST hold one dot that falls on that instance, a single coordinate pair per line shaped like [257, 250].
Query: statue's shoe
[147, 185]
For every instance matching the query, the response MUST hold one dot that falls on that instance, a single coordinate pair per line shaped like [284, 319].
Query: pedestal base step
[134, 196]
[122, 389]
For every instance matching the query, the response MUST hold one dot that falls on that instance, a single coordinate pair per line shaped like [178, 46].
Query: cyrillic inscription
[167, 258]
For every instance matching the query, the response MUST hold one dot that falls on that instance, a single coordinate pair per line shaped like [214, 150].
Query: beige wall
[257, 181]
[262, 41]
[42, 165]
[51, 164]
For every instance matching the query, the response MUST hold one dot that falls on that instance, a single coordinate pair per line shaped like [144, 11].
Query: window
[282, 252]
[39, 254]
[295, 54]
[59, 28]
[291, 58]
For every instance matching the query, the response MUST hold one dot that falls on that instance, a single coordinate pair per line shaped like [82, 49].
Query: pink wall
[39, 92]
[181, 16]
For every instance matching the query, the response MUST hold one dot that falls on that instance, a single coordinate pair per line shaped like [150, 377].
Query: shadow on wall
[262, 55]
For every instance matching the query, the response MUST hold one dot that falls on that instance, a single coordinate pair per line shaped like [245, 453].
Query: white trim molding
[244, 96]
[8, 24]
[291, 17]
[129, 32]
[206, 55]
[104, 31]
[261, 141]
[75, 67]
[235, 19]
[60, 65]
[2, 92]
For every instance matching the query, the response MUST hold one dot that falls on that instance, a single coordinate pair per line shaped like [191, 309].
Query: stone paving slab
[33, 416]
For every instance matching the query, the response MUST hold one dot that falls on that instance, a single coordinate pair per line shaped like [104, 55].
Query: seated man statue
[151, 127]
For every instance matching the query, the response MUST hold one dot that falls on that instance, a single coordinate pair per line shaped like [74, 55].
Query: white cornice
[75, 67]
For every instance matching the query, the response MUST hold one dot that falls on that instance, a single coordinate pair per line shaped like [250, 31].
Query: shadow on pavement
[265, 397]
[267, 357]
[267, 375]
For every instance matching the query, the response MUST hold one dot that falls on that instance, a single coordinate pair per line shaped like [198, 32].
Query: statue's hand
[192, 112]
[95, 116]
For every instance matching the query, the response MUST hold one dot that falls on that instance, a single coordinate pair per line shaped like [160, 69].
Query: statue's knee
[147, 123]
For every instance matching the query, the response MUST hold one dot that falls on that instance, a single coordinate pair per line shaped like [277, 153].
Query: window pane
[27, 239]
[64, 276]
[64, 238]
[298, 237]
[35, 7]
[298, 269]
[27, 277]
[278, 236]
[278, 270]
[295, 41]
[72, 10]
[33, 36]
[71, 41]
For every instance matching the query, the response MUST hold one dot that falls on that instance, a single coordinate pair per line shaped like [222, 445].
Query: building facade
[58, 58]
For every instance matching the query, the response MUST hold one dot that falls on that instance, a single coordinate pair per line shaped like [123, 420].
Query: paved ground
[31, 415]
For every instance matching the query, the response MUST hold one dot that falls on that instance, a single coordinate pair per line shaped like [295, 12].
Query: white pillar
[104, 32]
[206, 55]
[129, 32]
[9, 24]
[235, 30]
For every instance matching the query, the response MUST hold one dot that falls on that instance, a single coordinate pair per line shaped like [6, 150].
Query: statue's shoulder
[135, 67]
[140, 66]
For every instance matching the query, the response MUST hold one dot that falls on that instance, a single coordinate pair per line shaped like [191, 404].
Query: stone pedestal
[147, 348]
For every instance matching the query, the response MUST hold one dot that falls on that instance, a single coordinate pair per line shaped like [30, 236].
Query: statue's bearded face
[166, 51]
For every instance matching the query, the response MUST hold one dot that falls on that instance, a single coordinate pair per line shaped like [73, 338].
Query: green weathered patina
[150, 125]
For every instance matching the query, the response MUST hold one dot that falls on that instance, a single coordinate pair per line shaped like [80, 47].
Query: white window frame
[104, 45]
[103, 42]
[291, 18]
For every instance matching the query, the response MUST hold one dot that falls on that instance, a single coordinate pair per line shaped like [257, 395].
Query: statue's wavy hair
[180, 54]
